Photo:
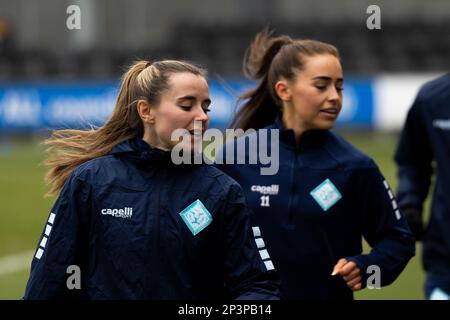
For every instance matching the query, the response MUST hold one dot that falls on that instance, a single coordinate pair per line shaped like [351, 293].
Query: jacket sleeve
[61, 245]
[384, 228]
[247, 276]
[414, 159]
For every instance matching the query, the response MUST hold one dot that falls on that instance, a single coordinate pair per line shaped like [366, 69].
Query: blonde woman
[136, 225]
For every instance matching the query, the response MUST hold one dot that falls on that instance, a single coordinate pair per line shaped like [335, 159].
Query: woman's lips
[330, 112]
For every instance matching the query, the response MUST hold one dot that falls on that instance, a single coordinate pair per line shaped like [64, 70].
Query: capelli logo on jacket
[119, 213]
[272, 189]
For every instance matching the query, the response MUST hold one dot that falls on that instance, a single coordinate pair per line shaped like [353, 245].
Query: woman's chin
[325, 125]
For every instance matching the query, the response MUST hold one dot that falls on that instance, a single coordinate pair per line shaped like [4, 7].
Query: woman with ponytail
[129, 223]
[326, 194]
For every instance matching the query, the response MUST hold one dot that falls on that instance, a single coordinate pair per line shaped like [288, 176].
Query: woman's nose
[201, 115]
[334, 95]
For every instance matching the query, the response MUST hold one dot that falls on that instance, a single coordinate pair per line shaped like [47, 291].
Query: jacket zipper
[290, 214]
[156, 235]
[328, 247]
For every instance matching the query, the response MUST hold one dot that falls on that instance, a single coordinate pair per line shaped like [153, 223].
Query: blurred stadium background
[52, 77]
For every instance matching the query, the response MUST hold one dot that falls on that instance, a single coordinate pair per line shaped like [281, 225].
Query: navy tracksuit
[140, 227]
[315, 210]
[426, 138]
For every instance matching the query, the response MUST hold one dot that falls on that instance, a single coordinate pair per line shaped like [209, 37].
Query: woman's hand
[350, 272]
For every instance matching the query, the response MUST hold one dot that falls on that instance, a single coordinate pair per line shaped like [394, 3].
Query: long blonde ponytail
[67, 149]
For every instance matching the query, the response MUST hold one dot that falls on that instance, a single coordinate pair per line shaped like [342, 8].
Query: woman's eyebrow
[187, 98]
[193, 98]
[326, 78]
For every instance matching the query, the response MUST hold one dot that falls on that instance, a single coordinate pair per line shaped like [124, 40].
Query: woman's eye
[186, 108]
[206, 110]
[321, 87]
[339, 88]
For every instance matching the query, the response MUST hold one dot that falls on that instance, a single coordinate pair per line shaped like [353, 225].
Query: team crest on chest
[196, 217]
[326, 194]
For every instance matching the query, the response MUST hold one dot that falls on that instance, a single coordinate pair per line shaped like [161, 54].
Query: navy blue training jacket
[140, 227]
[426, 139]
[315, 210]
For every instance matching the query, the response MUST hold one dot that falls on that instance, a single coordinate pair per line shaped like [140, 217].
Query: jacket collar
[138, 150]
[310, 139]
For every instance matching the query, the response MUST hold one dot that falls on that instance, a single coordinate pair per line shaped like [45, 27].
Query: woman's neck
[290, 121]
[152, 139]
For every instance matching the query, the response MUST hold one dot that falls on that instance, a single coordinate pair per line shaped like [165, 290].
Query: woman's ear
[282, 90]
[145, 111]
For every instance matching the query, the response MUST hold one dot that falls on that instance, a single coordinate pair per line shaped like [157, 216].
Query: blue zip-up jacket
[140, 227]
[426, 138]
[325, 196]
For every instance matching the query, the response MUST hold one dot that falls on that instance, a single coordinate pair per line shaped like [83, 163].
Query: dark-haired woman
[326, 194]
